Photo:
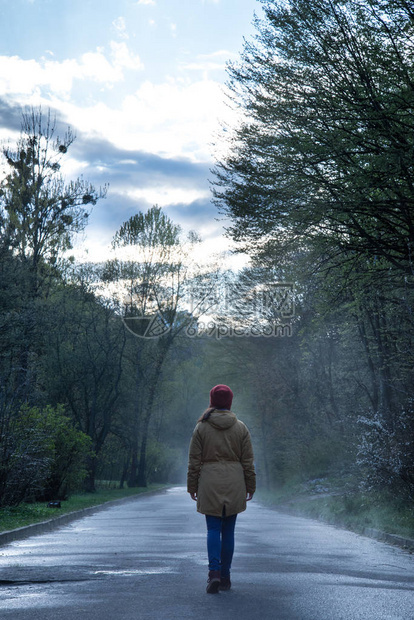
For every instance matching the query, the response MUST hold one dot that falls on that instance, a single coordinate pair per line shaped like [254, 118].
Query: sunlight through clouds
[164, 196]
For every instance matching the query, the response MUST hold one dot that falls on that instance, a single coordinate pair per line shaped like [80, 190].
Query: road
[146, 559]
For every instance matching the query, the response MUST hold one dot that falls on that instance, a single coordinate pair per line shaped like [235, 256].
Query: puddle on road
[137, 571]
[177, 490]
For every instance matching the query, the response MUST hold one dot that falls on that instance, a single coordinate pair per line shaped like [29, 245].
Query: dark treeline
[105, 368]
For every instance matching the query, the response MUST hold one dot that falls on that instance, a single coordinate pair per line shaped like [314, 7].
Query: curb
[52, 524]
[391, 539]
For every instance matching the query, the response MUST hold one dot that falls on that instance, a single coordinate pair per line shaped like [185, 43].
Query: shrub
[386, 453]
[43, 456]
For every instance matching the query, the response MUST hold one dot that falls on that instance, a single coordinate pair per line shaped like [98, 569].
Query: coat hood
[222, 420]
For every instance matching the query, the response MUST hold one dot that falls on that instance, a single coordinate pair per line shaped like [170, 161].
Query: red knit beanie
[221, 397]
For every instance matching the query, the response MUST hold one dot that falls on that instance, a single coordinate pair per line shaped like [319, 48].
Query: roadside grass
[350, 509]
[27, 514]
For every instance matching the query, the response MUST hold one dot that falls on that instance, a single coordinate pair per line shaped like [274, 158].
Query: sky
[141, 83]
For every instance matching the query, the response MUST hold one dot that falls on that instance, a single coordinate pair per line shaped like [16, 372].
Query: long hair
[205, 416]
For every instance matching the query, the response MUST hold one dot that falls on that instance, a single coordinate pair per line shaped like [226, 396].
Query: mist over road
[147, 559]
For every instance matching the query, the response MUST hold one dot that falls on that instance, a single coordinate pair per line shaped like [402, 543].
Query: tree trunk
[125, 468]
[142, 479]
[89, 484]
[132, 478]
[142, 470]
[374, 394]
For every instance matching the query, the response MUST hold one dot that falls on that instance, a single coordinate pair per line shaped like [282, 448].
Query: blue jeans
[220, 543]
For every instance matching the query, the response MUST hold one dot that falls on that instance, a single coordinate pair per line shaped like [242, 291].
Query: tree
[151, 275]
[150, 282]
[84, 365]
[318, 183]
[40, 210]
[324, 153]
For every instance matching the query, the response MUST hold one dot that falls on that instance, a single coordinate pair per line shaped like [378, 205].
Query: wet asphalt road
[146, 559]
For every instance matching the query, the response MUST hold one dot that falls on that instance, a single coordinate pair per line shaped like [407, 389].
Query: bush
[26, 456]
[68, 468]
[43, 456]
[386, 453]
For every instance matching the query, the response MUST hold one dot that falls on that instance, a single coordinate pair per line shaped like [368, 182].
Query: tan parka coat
[220, 465]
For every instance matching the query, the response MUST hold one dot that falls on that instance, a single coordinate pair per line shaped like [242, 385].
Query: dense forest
[105, 368]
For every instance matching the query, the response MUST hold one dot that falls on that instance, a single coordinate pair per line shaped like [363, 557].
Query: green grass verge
[354, 511]
[27, 514]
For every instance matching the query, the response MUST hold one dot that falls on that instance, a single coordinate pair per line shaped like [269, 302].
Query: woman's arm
[247, 461]
[194, 463]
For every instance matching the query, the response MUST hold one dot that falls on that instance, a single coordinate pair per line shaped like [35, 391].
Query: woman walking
[221, 478]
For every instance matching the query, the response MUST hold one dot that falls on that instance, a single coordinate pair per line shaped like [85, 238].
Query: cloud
[10, 116]
[179, 116]
[146, 2]
[11, 119]
[176, 118]
[216, 61]
[138, 173]
[199, 215]
[151, 150]
[138, 180]
[26, 77]
[124, 58]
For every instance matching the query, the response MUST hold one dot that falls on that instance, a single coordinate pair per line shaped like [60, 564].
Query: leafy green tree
[84, 365]
[150, 282]
[39, 213]
[152, 275]
[324, 153]
[318, 183]
[40, 210]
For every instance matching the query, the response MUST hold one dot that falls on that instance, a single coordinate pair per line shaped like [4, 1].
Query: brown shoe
[225, 583]
[213, 582]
